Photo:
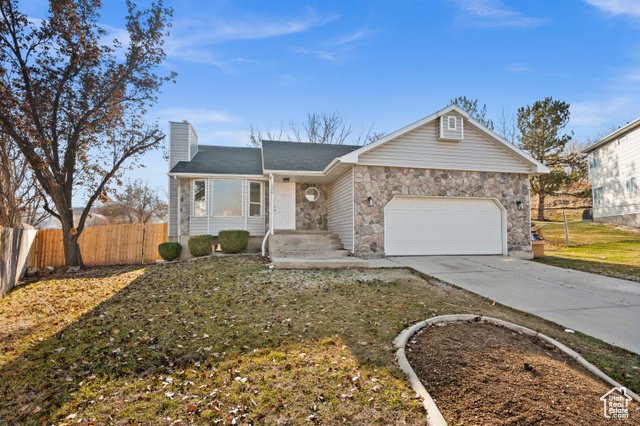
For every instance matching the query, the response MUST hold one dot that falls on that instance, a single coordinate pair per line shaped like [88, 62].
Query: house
[614, 174]
[444, 185]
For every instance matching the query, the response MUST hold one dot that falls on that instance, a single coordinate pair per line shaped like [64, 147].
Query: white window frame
[594, 159]
[193, 197]
[213, 195]
[598, 199]
[260, 203]
[622, 139]
[455, 123]
[632, 185]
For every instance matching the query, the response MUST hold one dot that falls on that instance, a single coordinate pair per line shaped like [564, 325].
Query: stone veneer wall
[185, 195]
[383, 183]
[311, 216]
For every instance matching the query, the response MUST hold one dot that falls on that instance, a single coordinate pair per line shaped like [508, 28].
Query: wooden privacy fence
[102, 245]
[14, 249]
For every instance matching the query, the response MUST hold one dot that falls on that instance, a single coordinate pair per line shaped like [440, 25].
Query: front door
[284, 206]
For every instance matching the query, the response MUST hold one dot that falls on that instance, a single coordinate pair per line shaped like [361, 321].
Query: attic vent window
[451, 128]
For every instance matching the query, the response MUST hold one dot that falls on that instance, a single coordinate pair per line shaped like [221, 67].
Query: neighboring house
[93, 219]
[443, 185]
[614, 176]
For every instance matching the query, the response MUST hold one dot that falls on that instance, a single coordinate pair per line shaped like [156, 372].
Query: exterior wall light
[285, 180]
[519, 205]
[370, 201]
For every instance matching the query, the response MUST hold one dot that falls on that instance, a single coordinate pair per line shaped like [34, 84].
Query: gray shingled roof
[301, 156]
[222, 160]
[278, 155]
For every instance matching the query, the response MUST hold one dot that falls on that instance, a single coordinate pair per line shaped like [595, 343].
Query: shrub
[170, 251]
[233, 241]
[200, 245]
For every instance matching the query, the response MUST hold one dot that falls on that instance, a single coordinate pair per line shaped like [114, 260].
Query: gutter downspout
[270, 230]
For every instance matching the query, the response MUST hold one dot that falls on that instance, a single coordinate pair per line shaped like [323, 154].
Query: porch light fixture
[285, 180]
[519, 205]
[370, 201]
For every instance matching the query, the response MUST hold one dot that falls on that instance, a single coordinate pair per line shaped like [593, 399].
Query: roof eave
[612, 136]
[200, 175]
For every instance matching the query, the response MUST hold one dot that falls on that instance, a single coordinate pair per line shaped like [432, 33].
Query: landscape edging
[434, 416]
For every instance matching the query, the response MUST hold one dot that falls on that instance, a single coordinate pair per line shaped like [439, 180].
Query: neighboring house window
[227, 197]
[255, 199]
[622, 139]
[632, 185]
[452, 123]
[597, 196]
[594, 160]
[199, 192]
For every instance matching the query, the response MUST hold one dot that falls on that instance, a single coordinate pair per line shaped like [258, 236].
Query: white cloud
[520, 67]
[596, 113]
[321, 54]
[492, 13]
[194, 115]
[617, 7]
[358, 35]
[192, 40]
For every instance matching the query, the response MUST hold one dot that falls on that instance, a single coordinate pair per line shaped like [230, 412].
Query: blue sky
[388, 62]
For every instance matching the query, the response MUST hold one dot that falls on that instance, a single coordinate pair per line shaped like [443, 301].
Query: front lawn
[619, 260]
[583, 233]
[227, 340]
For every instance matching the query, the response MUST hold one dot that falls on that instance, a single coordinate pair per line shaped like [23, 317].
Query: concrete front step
[304, 238]
[309, 253]
[319, 263]
[291, 232]
[306, 244]
[299, 245]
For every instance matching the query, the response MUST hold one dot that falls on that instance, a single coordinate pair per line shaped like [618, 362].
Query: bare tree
[256, 136]
[507, 126]
[136, 203]
[322, 128]
[76, 111]
[20, 198]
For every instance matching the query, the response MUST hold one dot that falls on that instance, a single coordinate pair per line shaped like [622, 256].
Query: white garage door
[443, 226]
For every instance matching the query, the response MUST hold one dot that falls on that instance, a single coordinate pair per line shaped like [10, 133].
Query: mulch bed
[482, 374]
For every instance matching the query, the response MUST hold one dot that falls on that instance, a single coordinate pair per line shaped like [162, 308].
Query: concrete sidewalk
[602, 307]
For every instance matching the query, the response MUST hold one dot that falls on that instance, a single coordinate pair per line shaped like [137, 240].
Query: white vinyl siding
[443, 226]
[619, 163]
[183, 146]
[214, 224]
[340, 220]
[420, 148]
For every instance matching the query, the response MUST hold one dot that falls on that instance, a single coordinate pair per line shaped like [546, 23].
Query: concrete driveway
[602, 307]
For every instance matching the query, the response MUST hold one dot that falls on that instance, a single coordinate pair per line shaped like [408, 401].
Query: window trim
[213, 196]
[598, 201]
[631, 186]
[594, 159]
[260, 203]
[455, 123]
[622, 139]
[193, 197]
